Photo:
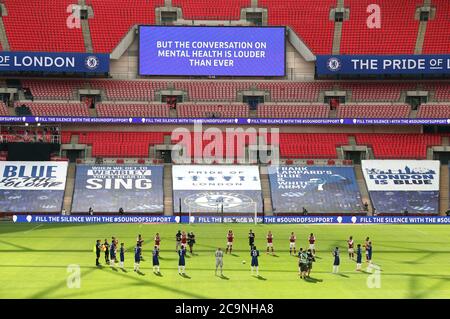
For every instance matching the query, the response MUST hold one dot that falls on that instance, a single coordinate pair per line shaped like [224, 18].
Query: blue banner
[318, 189]
[136, 189]
[32, 186]
[382, 64]
[301, 220]
[211, 51]
[222, 121]
[50, 62]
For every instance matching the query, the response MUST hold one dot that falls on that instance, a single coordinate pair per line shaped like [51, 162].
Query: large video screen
[212, 51]
[32, 187]
[318, 189]
[216, 189]
[136, 189]
[396, 186]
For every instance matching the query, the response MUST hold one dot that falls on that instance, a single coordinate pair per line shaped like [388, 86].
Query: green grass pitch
[414, 262]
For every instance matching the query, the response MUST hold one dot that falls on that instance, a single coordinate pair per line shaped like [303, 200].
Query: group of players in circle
[306, 257]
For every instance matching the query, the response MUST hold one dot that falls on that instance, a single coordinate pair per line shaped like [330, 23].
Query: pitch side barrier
[224, 121]
[317, 220]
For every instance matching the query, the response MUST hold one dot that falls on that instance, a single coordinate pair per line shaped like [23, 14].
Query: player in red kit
[351, 251]
[157, 241]
[230, 238]
[312, 243]
[292, 240]
[183, 240]
[270, 242]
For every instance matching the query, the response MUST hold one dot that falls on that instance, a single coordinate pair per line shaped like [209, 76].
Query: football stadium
[238, 149]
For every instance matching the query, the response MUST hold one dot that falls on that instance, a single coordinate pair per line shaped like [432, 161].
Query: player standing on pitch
[106, 250]
[183, 240]
[157, 240]
[369, 252]
[336, 261]
[292, 240]
[137, 257]
[219, 261]
[155, 255]
[177, 241]
[191, 242]
[312, 243]
[254, 265]
[251, 239]
[181, 260]
[230, 238]
[358, 257]
[139, 242]
[269, 242]
[98, 249]
[302, 263]
[122, 255]
[351, 251]
[311, 259]
[366, 246]
[112, 253]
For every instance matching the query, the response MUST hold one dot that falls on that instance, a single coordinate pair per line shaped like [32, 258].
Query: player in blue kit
[358, 257]
[336, 261]
[137, 257]
[155, 254]
[255, 265]
[122, 255]
[369, 252]
[112, 253]
[181, 260]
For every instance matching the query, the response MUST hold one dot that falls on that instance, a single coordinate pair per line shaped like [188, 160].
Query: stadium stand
[398, 146]
[397, 34]
[113, 19]
[205, 10]
[438, 33]
[299, 145]
[431, 110]
[310, 21]
[132, 110]
[212, 110]
[270, 110]
[120, 144]
[373, 111]
[56, 109]
[441, 90]
[377, 91]
[33, 25]
[3, 109]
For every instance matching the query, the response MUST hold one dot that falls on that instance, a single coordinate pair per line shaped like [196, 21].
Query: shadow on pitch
[259, 277]
[313, 280]
[223, 277]
[185, 276]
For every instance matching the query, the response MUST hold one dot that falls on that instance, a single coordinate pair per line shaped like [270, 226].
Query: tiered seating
[300, 145]
[434, 111]
[205, 10]
[398, 146]
[52, 89]
[373, 111]
[56, 109]
[212, 110]
[441, 90]
[437, 36]
[121, 144]
[132, 110]
[268, 110]
[309, 19]
[35, 25]
[237, 152]
[398, 32]
[3, 109]
[377, 91]
[114, 18]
